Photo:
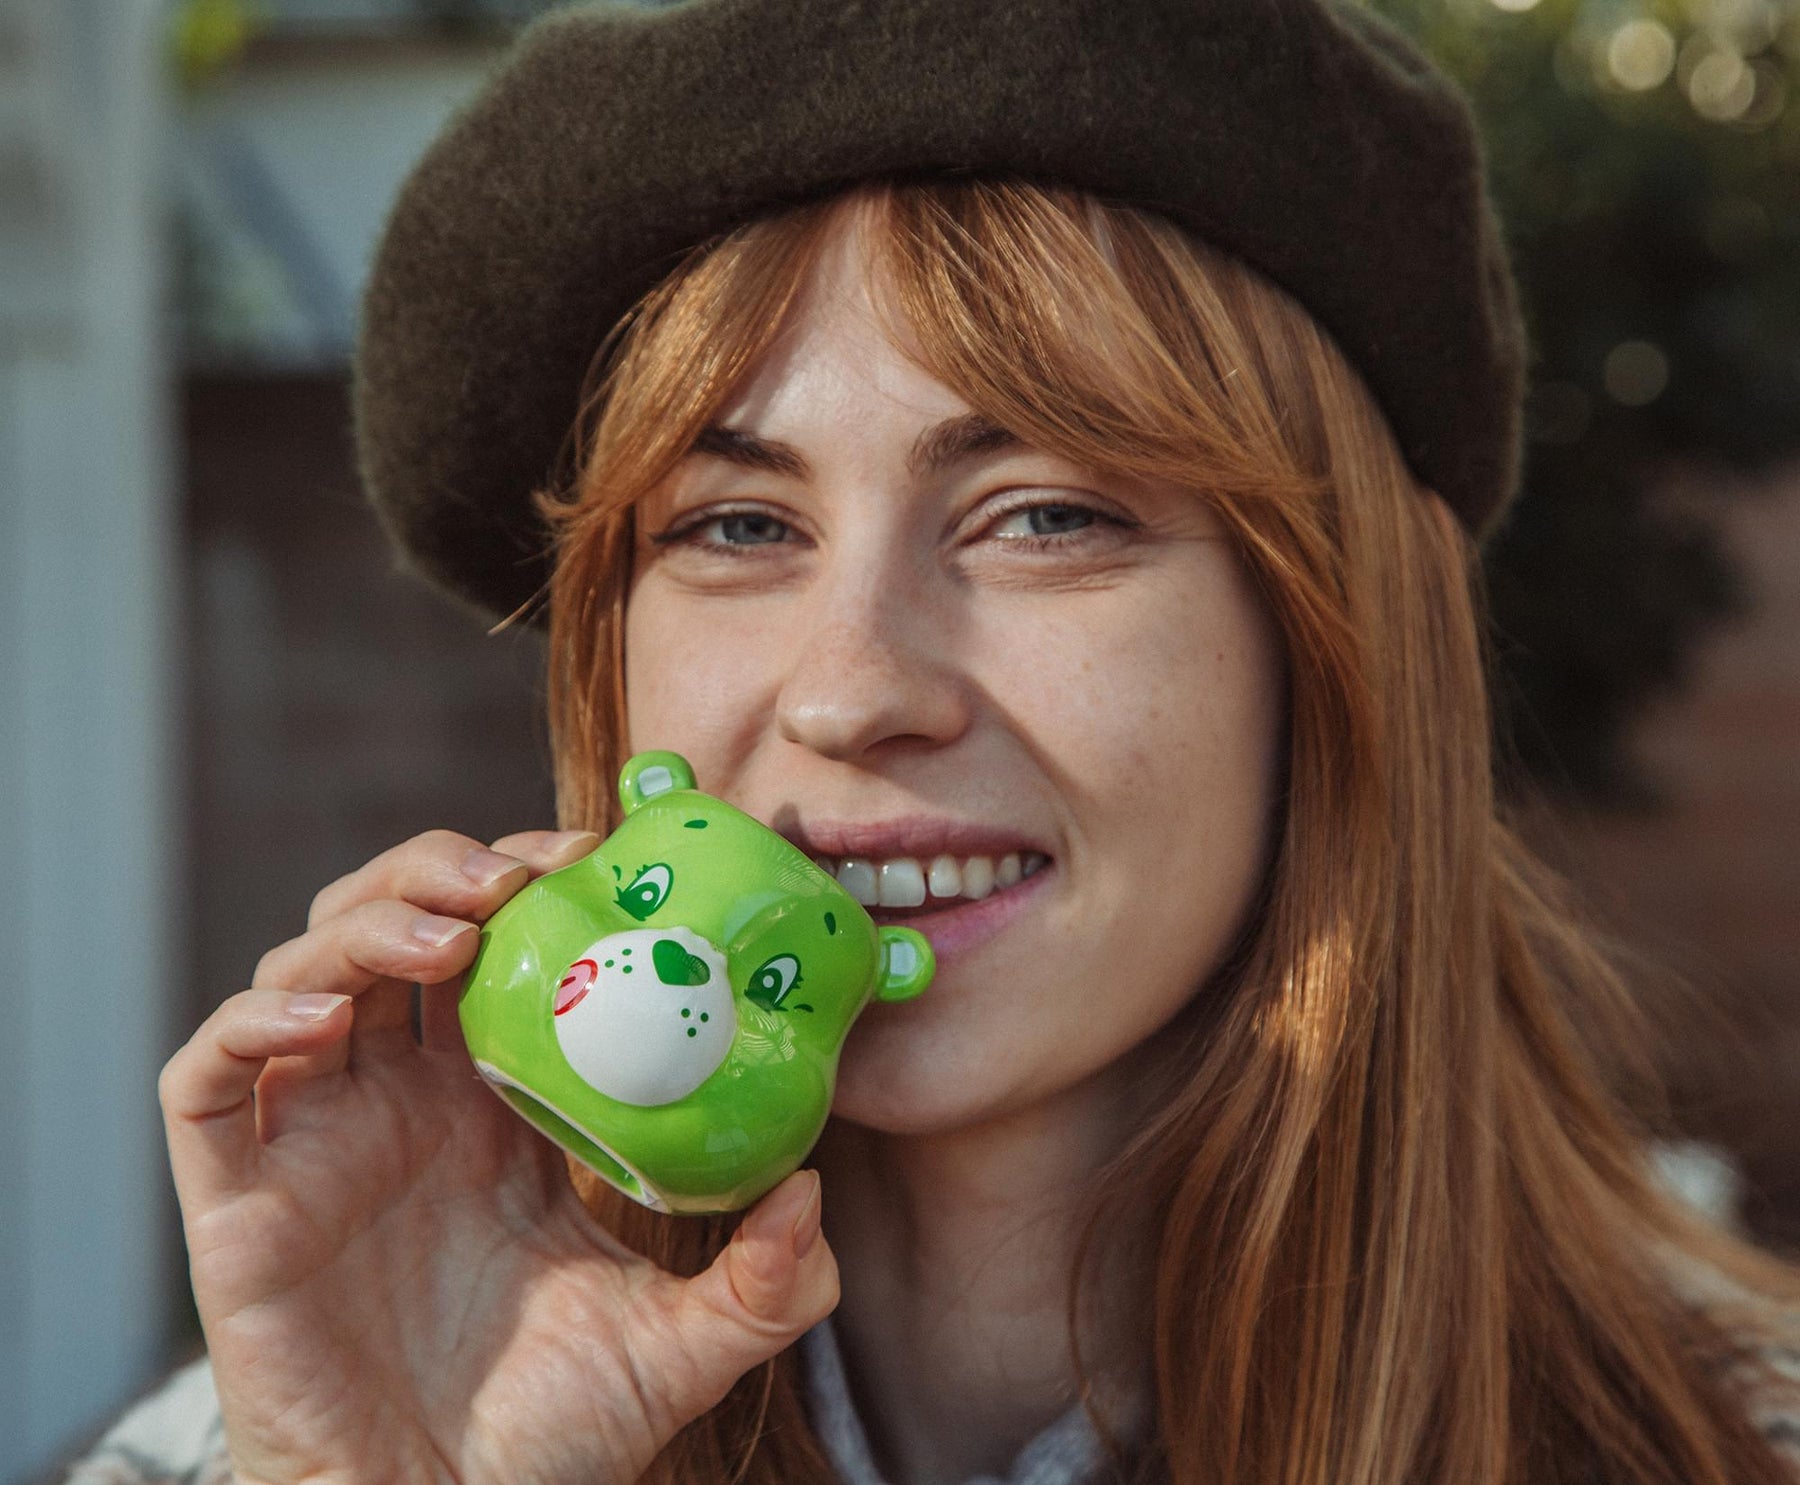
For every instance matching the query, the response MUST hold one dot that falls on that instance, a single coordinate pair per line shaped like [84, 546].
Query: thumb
[776, 1278]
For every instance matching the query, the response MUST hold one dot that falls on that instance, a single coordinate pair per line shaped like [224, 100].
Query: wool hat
[1308, 137]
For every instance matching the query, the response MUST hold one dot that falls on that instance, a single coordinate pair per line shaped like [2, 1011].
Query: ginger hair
[1403, 1227]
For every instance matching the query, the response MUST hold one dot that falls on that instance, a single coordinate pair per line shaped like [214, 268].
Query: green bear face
[671, 1008]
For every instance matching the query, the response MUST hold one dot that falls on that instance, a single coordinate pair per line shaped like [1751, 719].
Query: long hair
[1402, 1227]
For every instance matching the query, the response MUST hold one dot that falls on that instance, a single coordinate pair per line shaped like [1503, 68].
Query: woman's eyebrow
[735, 446]
[942, 444]
[937, 447]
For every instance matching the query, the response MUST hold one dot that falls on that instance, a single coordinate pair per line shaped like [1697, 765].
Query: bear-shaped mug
[670, 1009]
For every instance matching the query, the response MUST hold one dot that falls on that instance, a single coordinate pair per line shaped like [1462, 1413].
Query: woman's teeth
[902, 882]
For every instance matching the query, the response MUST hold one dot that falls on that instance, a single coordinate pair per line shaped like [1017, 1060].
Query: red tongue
[574, 985]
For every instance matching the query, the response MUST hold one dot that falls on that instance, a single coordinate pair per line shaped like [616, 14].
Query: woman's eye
[1049, 526]
[1050, 519]
[748, 529]
[729, 530]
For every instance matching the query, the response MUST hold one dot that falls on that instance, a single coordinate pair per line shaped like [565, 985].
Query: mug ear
[646, 775]
[907, 963]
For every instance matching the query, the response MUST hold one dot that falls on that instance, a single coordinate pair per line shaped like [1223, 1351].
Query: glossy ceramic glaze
[670, 1009]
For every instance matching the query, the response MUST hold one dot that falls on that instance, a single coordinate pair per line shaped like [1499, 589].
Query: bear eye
[770, 984]
[647, 891]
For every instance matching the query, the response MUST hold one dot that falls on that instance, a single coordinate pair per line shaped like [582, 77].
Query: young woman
[1255, 1127]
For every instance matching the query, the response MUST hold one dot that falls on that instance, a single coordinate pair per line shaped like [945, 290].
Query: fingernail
[484, 867]
[806, 1225]
[568, 841]
[313, 1007]
[435, 931]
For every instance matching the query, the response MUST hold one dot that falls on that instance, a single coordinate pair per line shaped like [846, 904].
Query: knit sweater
[175, 1436]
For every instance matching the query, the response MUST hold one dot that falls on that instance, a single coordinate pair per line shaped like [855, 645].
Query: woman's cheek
[1115, 691]
[692, 679]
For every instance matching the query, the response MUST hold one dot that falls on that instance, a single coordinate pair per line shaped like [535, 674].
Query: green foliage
[207, 36]
[1645, 156]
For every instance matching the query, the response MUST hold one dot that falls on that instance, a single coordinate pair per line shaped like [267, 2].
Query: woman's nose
[873, 665]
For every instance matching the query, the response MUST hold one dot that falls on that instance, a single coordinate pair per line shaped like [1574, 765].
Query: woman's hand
[396, 1279]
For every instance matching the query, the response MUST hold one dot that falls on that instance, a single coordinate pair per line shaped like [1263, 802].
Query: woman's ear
[907, 964]
[646, 775]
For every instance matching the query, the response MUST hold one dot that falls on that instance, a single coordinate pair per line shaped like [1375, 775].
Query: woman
[1024, 541]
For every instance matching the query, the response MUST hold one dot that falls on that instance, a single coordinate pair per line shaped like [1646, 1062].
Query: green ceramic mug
[670, 1009]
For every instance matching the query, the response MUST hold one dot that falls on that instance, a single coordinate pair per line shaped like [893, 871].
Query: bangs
[1101, 334]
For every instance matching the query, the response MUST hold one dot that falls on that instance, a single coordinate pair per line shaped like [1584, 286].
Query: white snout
[632, 1026]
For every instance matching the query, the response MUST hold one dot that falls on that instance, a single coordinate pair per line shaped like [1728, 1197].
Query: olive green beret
[1307, 137]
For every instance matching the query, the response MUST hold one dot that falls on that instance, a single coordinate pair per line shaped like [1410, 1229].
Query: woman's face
[1045, 699]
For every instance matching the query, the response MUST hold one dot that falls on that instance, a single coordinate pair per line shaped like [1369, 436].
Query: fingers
[444, 872]
[373, 941]
[375, 951]
[408, 916]
[768, 1264]
[546, 850]
[775, 1279]
[403, 907]
[207, 1088]
[446, 876]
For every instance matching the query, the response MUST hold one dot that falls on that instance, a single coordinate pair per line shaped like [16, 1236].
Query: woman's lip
[918, 836]
[958, 927]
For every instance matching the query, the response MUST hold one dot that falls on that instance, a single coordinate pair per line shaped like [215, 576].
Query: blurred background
[219, 696]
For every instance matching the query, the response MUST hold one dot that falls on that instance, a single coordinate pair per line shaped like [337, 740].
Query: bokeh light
[1636, 372]
[1721, 86]
[1640, 54]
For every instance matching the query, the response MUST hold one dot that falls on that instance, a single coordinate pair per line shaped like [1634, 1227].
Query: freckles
[702, 698]
[675, 678]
